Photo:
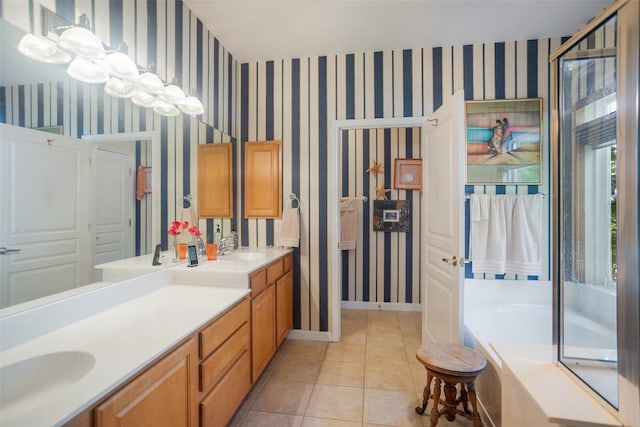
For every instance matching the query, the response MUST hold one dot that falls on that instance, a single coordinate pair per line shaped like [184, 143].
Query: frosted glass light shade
[86, 71]
[119, 88]
[166, 109]
[149, 83]
[120, 65]
[144, 99]
[191, 106]
[82, 42]
[42, 49]
[172, 94]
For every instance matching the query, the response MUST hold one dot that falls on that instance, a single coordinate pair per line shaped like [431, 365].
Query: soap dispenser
[218, 235]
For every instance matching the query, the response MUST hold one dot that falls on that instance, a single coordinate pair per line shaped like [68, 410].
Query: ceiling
[255, 30]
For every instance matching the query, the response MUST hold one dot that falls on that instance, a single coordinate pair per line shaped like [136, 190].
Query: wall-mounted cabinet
[263, 179]
[215, 181]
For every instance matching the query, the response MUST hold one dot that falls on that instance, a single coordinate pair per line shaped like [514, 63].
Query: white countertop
[123, 340]
[125, 326]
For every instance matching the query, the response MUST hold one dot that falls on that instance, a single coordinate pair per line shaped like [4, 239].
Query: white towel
[488, 236]
[290, 228]
[525, 239]
[348, 223]
[479, 207]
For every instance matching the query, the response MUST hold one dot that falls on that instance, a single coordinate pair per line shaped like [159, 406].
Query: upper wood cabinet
[215, 181]
[263, 179]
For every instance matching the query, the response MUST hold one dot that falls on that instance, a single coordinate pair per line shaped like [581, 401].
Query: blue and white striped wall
[161, 32]
[296, 100]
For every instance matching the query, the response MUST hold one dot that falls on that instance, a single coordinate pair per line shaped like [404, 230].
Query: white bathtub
[521, 312]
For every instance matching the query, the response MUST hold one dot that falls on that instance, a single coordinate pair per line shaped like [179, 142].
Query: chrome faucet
[227, 243]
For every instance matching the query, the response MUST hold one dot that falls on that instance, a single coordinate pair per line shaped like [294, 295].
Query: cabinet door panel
[284, 306]
[263, 333]
[263, 179]
[215, 181]
[163, 395]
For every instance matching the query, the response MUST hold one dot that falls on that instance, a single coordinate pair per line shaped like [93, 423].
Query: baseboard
[393, 306]
[298, 334]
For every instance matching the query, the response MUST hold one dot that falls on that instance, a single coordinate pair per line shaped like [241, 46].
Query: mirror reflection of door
[115, 197]
[44, 213]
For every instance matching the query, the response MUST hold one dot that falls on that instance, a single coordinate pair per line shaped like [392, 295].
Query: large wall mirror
[47, 189]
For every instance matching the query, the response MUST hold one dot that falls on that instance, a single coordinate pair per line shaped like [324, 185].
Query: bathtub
[520, 312]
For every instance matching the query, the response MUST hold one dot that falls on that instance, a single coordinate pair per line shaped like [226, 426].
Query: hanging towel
[290, 229]
[525, 239]
[479, 207]
[488, 234]
[348, 223]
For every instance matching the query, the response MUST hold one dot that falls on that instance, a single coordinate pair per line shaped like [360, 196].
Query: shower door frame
[628, 310]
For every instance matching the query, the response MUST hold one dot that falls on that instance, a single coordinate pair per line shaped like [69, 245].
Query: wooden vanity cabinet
[215, 180]
[165, 394]
[271, 311]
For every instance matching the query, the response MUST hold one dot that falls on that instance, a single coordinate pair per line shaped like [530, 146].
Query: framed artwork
[503, 141]
[392, 215]
[408, 174]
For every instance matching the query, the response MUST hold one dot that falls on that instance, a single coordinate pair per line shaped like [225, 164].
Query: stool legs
[436, 400]
[450, 393]
[425, 394]
[475, 415]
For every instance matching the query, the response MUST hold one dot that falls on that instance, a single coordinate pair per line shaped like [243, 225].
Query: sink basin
[25, 383]
[243, 256]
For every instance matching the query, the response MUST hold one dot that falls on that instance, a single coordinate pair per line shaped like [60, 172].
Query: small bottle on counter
[218, 235]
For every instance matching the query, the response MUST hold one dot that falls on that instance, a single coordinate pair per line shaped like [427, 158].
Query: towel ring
[294, 198]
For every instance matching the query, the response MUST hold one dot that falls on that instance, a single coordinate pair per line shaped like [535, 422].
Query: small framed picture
[391, 215]
[408, 174]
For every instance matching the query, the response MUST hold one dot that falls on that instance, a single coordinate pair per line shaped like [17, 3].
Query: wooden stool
[452, 364]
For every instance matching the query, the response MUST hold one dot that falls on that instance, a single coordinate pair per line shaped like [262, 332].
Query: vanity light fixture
[89, 62]
[43, 50]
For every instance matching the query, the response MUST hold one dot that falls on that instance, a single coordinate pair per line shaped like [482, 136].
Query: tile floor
[370, 378]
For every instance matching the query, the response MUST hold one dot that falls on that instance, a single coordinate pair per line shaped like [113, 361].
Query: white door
[443, 239]
[44, 214]
[115, 198]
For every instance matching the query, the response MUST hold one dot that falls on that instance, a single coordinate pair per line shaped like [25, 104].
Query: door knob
[453, 261]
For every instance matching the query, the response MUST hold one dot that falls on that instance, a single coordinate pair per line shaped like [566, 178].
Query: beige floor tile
[388, 336]
[394, 408]
[270, 419]
[297, 369]
[345, 352]
[341, 373]
[388, 316]
[381, 354]
[357, 336]
[286, 398]
[385, 377]
[311, 350]
[336, 402]
[326, 422]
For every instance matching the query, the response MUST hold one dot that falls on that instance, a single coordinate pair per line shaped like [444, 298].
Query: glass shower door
[588, 211]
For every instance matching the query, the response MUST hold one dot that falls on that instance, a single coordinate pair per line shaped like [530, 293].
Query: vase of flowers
[182, 238]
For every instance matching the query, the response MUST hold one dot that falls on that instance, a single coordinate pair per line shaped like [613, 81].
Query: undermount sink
[24, 384]
[243, 256]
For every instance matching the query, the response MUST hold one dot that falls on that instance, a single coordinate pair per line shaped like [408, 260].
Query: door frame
[333, 193]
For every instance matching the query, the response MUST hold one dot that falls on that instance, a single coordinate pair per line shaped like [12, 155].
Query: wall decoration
[504, 141]
[381, 192]
[392, 215]
[375, 167]
[408, 174]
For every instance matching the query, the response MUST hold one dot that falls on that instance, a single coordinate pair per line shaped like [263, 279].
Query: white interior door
[114, 206]
[44, 213]
[443, 239]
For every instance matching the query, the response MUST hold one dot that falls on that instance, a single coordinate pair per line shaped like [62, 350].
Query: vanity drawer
[258, 282]
[217, 332]
[217, 408]
[215, 366]
[275, 271]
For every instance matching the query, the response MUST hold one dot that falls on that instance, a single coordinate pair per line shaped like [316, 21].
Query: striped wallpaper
[296, 100]
[160, 34]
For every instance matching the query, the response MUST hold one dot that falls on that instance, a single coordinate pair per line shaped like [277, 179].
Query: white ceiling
[275, 29]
